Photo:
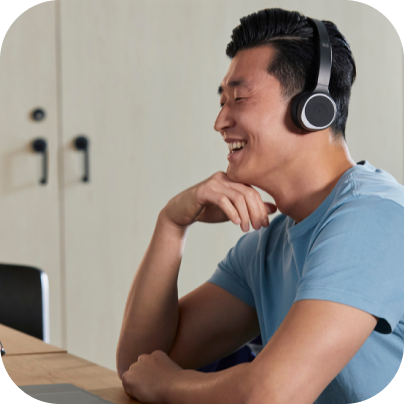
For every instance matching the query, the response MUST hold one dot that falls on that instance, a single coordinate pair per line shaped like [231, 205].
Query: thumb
[270, 207]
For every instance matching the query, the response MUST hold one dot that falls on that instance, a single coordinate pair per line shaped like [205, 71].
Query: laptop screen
[62, 394]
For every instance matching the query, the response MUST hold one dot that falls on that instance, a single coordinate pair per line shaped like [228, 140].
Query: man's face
[253, 111]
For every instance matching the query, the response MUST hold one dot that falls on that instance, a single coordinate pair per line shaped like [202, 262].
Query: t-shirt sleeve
[357, 258]
[232, 273]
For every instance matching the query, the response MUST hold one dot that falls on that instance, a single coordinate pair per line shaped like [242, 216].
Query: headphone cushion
[297, 105]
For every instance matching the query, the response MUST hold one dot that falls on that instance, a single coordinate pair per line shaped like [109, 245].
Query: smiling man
[323, 283]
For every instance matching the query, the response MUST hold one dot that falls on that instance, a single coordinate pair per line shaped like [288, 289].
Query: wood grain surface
[18, 343]
[65, 368]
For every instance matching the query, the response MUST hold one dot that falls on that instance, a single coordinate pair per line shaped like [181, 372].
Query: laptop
[62, 394]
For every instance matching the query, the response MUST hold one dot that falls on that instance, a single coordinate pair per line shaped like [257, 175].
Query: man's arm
[314, 343]
[151, 314]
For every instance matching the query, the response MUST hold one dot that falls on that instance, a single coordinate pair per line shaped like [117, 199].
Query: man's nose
[224, 120]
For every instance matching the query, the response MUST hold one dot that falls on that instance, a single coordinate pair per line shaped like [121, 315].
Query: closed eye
[237, 99]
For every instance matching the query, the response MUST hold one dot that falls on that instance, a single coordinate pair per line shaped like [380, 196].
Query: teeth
[236, 145]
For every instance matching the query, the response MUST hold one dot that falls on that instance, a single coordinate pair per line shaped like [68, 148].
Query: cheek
[265, 126]
[253, 120]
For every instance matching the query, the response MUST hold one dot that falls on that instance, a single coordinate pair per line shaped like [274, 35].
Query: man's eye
[237, 99]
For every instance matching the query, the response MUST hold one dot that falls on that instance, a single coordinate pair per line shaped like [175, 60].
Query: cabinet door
[132, 83]
[29, 211]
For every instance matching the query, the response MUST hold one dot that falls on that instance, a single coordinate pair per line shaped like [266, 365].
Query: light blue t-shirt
[350, 250]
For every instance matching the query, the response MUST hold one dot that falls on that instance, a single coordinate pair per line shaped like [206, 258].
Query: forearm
[227, 386]
[151, 313]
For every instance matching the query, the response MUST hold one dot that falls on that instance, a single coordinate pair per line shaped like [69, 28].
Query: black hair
[295, 63]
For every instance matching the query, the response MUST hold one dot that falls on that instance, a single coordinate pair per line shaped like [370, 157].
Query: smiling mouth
[236, 146]
[235, 152]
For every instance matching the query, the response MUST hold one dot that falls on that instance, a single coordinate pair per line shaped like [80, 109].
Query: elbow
[121, 365]
[121, 369]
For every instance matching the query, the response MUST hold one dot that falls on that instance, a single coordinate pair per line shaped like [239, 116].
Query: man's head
[274, 57]
[295, 62]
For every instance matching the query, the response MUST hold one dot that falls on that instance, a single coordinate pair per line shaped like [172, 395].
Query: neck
[309, 178]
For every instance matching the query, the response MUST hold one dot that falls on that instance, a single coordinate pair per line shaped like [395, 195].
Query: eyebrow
[233, 83]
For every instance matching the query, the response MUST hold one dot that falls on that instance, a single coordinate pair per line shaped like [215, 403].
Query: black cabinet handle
[38, 114]
[39, 146]
[82, 143]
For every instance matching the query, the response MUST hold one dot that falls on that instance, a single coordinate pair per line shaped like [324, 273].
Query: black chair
[24, 300]
[247, 353]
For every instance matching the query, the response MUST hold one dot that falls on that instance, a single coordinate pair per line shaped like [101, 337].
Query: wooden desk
[18, 343]
[30, 361]
[65, 368]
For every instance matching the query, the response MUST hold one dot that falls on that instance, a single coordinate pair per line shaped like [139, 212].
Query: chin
[232, 174]
[237, 176]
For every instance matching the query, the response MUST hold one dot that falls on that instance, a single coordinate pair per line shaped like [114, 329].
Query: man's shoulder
[367, 184]
[375, 182]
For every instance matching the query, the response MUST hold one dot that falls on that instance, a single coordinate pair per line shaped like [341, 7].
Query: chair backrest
[24, 300]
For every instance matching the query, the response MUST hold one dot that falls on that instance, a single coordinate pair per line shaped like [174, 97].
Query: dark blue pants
[243, 355]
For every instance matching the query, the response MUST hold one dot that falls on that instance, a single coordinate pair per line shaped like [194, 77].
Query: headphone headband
[316, 110]
[325, 56]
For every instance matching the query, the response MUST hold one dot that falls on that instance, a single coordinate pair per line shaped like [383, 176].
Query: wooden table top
[52, 368]
[30, 361]
[18, 343]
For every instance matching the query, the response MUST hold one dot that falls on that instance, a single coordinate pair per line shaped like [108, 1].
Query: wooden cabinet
[139, 79]
[30, 212]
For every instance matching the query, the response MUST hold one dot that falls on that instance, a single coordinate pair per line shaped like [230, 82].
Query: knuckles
[158, 353]
[239, 198]
[222, 199]
[219, 175]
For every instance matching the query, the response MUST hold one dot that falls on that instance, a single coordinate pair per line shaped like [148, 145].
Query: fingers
[257, 209]
[270, 208]
[264, 214]
[232, 206]
[242, 204]
[238, 202]
[258, 216]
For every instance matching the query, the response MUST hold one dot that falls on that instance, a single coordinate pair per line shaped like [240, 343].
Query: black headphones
[316, 110]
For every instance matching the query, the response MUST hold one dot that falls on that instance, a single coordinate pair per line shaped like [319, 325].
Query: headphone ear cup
[297, 105]
[314, 111]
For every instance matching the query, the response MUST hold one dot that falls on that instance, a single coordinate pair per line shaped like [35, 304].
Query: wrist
[169, 386]
[186, 385]
[179, 385]
[164, 221]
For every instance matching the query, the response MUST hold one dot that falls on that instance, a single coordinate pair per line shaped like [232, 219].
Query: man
[323, 284]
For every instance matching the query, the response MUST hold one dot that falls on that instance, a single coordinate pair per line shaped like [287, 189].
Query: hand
[219, 199]
[146, 378]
